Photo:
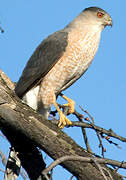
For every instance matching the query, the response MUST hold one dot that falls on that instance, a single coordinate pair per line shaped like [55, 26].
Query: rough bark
[22, 125]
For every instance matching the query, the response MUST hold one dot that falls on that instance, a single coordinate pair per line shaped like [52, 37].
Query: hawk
[60, 60]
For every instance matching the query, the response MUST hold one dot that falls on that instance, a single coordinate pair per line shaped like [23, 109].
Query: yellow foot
[63, 121]
[70, 104]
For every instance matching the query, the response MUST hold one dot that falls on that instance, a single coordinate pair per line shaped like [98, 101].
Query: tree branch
[29, 155]
[109, 132]
[84, 159]
[22, 125]
[90, 125]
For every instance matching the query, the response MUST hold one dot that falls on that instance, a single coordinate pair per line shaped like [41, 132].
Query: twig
[118, 167]
[85, 138]
[91, 120]
[80, 118]
[84, 125]
[88, 148]
[85, 111]
[109, 132]
[107, 138]
[100, 143]
[99, 131]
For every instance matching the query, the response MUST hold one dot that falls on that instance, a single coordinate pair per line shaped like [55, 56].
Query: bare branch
[90, 125]
[100, 143]
[88, 148]
[90, 119]
[85, 159]
[109, 132]
[85, 111]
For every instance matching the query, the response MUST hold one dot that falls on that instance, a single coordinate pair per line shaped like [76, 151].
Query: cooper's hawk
[60, 60]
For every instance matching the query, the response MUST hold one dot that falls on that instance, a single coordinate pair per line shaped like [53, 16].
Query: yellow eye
[100, 14]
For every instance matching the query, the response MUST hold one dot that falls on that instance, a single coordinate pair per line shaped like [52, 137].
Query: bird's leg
[63, 121]
[70, 104]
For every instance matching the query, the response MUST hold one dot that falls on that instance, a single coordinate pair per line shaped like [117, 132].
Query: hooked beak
[108, 22]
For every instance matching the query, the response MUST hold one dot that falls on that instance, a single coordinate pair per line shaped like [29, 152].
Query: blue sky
[102, 89]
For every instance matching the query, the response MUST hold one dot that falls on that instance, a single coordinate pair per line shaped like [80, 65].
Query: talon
[63, 120]
[70, 104]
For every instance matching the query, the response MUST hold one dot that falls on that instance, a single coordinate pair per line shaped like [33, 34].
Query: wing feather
[43, 59]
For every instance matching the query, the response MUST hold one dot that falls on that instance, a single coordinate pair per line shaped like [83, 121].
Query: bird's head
[97, 16]
[92, 16]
